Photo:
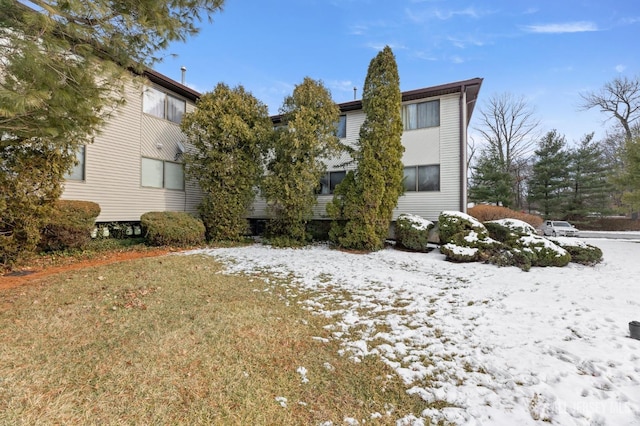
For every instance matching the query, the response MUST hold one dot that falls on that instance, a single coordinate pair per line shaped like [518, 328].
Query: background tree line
[516, 166]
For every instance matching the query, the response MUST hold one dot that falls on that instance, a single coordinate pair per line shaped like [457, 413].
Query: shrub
[464, 239]
[412, 232]
[451, 223]
[172, 228]
[69, 225]
[524, 240]
[486, 213]
[581, 252]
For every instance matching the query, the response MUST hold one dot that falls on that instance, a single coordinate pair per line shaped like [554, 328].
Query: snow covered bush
[523, 240]
[581, 252]
[412, 232]
[463, 238]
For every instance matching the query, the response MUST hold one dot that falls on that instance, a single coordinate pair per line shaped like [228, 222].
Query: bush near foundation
[172, 229]
[412, 232]
[70, 225]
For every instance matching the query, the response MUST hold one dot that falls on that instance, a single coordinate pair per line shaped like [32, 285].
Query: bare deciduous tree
[620, 98]
[509, 127]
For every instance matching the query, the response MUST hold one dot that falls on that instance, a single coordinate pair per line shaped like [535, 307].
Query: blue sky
[547, 51]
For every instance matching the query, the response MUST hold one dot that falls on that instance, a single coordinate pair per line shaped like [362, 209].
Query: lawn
[174, 340]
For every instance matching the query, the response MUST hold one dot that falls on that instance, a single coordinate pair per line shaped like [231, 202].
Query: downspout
[463, 148]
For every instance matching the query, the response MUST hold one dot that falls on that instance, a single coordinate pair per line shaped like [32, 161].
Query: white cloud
[380, 46]
[463, 43]
[620, 68]
[567, 27]
[443, 15]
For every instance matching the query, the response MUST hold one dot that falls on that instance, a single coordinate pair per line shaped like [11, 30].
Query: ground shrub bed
[178, 229]
[503, 242]
[70, 225]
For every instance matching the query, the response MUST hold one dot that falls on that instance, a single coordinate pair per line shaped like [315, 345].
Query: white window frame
[419, 185]
[79, 170]
[161, 104]
[156, 173]
[330, 180]
[421, 115]
[341, 127]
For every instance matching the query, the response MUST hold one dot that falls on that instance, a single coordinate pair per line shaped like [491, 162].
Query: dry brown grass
[172, 340]
[485, 213]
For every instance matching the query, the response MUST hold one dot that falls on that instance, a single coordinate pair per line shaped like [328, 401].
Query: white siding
[447, 139]
[113, 165]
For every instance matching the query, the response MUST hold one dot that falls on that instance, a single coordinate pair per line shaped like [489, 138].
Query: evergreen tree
[629, 180]
[363, 203]
[298, 153]
[62, 73]
[490, 182]
[227, 130]
[549, 182]
[589, 190]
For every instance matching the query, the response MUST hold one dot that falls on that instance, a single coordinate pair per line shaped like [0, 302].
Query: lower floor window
[162, 174]
[77, 172]
[329, 181]
[422, 178]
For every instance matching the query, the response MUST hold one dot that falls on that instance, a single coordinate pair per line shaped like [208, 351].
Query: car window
[561, 224]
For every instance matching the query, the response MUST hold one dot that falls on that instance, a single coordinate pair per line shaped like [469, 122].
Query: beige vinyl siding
[430, 204]
[113, 165]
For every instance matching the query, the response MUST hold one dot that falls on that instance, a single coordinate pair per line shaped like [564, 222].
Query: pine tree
[629, 180]
[589, 190]
[299, 150]
[549, 183]
[490, 183]
[363, 203]
[227, 131]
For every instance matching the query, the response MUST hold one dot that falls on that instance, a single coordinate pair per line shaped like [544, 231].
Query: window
[329, 181]
[341, 128]
[421, 115]
[162, 174]
[162, 105]
[422, 178]
[77, 172]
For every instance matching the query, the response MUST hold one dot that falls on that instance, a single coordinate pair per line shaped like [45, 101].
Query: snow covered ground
[502, 346]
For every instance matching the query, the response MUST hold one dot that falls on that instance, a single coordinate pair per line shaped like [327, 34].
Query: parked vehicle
[559, 228]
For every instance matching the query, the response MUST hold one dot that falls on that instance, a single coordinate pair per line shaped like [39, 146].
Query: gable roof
[471, 87]
[169, 84]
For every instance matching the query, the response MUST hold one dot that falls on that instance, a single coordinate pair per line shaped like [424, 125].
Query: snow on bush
[504, 242]
[581, 252]
[412, 232]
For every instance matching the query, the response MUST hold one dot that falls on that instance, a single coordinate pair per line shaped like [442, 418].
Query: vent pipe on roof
[184, 71]
[355, 89]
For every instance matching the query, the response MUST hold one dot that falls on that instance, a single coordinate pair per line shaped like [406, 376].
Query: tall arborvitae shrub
[363, 203]
[227, 132]
[299, 149]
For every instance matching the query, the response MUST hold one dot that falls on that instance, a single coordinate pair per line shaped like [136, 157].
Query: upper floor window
[422, 178]
[329, 181]
[421, 115]
[162, 105]
[341, 127]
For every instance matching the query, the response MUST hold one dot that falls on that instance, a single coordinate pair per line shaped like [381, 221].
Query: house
[135, 165]
[435, 158]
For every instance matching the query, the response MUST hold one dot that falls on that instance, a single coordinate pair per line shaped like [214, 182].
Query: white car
[559, 228]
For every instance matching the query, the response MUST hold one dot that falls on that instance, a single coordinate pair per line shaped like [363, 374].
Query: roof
[169, 84]
[471, 87]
